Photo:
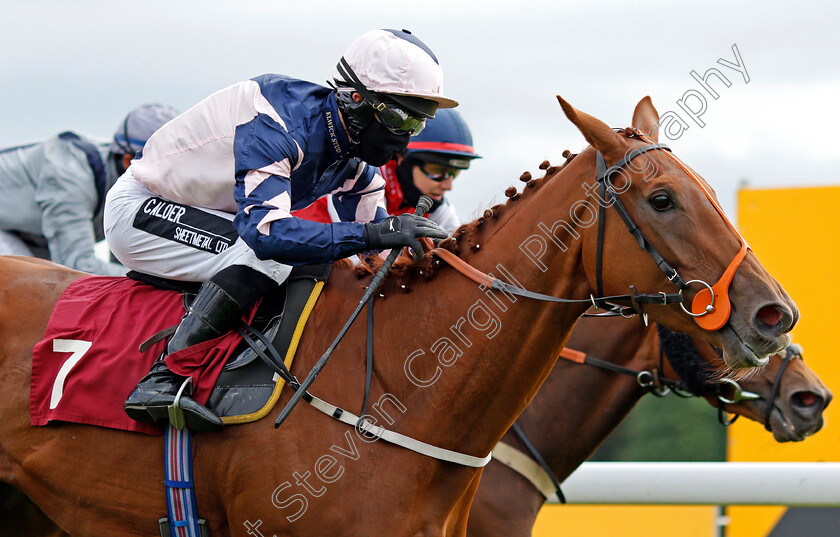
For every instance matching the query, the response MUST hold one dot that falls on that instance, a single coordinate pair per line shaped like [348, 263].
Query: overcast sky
[83, 65]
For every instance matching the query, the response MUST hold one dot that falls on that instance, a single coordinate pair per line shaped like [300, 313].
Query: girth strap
[526, 467]
[249, 334]
[396, 438]
[182, 519]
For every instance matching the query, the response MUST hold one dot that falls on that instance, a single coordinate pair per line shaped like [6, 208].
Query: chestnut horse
[314, 476]
[586, 403]
[794, 397]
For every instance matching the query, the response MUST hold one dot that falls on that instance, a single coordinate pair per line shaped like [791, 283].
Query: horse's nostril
[770, 316]
[805, 399]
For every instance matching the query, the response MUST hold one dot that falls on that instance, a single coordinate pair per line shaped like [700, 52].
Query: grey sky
[82, 65]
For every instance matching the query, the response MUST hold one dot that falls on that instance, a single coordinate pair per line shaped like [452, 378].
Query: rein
[654, 383]
[706, 315]
[604, 302]
[533, 466]
[538, 458]
[650, 381]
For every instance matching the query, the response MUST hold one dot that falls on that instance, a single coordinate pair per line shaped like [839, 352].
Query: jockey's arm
[264, 222]
[361, 200]
[66, 196]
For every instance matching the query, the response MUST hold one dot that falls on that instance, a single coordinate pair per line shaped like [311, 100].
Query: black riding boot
[212, 314]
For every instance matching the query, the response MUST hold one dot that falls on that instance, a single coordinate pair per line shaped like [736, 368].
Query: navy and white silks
[247, 155]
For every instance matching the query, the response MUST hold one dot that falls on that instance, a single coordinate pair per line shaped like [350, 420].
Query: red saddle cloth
[88, 361]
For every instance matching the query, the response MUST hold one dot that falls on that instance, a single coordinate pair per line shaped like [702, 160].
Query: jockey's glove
[402, 230]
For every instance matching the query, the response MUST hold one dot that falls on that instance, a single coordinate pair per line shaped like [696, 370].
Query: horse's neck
[584, 402]
[483, 354]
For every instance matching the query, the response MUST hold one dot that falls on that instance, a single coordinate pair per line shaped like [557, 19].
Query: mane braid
[687, 362]
[406, 272]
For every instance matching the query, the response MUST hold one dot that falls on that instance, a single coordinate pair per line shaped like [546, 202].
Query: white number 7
[78, 348]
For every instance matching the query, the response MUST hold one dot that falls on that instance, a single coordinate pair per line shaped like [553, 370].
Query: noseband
[703, 309]
[792, 352]
[654, 382]
[707, 316]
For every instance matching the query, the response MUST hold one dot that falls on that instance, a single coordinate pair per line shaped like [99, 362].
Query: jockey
[428, 166]
[211, 198]
[53, 191]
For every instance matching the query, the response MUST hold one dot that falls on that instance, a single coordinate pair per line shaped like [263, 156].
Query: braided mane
[406, 271]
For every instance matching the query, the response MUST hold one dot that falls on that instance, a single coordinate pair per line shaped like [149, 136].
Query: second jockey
[429, 165]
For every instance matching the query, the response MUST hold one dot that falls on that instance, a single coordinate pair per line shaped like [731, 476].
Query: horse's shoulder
[17, 270]
[29, 290]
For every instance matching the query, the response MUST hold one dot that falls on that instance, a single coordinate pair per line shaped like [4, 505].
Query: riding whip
[423, 206]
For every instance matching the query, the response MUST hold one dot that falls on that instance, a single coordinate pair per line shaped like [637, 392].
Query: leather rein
[717, 293]
[540, 474]
[653, 382]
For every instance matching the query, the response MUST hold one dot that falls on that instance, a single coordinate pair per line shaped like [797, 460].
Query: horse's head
[791, 400]
[680, 241]
[786, 396]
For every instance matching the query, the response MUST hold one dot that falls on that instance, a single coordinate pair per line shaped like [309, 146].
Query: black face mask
[378, 145]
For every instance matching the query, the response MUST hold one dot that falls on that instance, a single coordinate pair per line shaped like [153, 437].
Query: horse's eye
[661, 202]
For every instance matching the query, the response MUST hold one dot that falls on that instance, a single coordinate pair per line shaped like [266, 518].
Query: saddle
[248, 388]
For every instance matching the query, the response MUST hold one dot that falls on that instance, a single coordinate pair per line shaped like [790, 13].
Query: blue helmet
[138, 126]
[446, 140]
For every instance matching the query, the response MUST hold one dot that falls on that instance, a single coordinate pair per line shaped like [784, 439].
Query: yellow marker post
[795, 232]
[796, 235]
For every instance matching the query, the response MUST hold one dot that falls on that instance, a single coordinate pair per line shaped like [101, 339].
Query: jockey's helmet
[138, 126]
[398, 77]
[446, 141]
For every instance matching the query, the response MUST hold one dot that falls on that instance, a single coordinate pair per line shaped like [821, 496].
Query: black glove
[402, 230]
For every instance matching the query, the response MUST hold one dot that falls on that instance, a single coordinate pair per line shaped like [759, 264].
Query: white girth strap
[525, 466]
[397, 438]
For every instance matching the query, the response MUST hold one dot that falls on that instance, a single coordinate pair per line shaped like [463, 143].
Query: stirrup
[176, 415]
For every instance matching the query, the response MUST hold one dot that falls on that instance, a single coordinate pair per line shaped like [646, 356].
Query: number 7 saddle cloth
[89, 359]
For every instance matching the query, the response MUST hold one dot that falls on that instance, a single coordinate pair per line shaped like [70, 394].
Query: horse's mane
[406, 271]
[686, 361]
[699, 375]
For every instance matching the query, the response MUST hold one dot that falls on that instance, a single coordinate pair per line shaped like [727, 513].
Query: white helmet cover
[385, 62]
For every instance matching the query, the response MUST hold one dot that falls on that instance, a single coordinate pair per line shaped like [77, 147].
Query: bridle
[653, 382]
[793, 352]
[710, 312]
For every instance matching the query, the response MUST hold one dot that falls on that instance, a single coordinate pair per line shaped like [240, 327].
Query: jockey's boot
[212, 314]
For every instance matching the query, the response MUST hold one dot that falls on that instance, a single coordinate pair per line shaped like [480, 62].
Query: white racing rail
[797, 484]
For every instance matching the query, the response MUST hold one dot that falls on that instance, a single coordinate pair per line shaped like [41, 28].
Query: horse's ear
[597, 133]
[646, 118]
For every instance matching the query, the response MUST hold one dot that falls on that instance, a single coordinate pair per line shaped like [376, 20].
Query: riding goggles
[439, 173]
[397, 120]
